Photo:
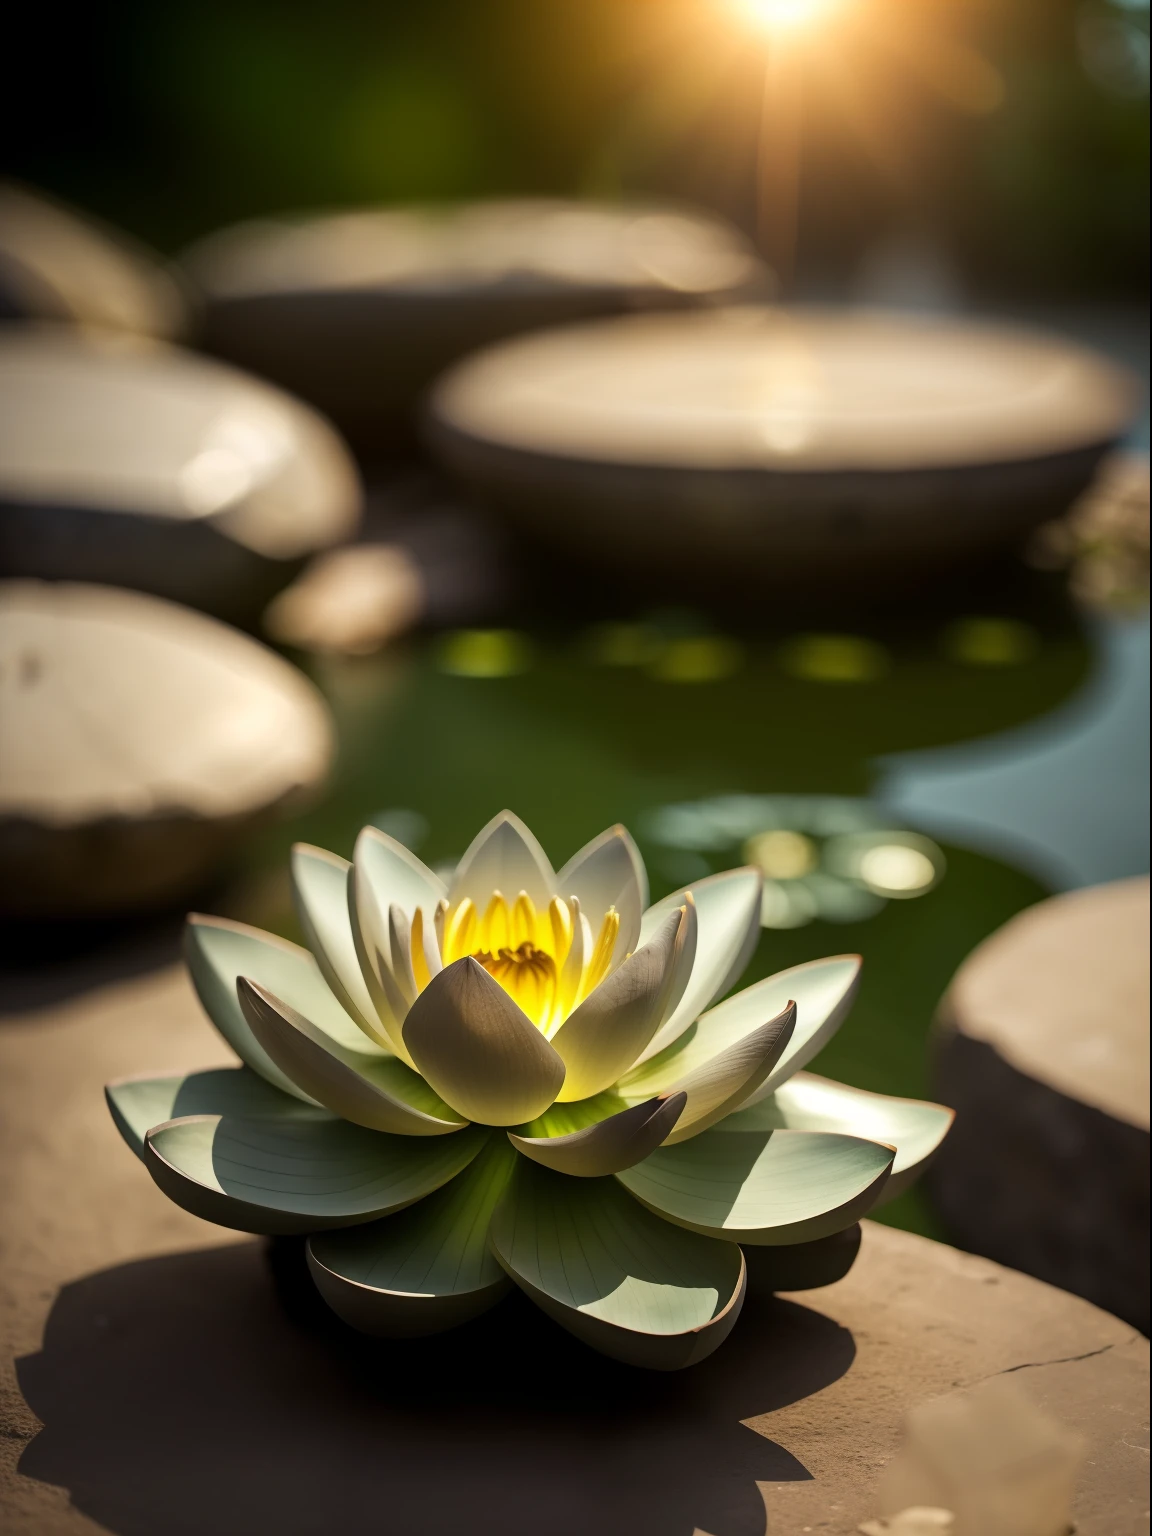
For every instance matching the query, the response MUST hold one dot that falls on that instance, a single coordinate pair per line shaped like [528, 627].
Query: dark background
[1009, 136]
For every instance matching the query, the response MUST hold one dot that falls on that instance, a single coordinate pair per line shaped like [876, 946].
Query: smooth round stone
[781, 444]
[141, 742]
[58, 264]
[1042, 1049]
[134, 463]
[359, 311]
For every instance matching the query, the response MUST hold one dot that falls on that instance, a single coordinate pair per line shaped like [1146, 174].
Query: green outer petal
[320, 891]
[218, 951]
[425, 1270]
[365, 1086]
[276, 1176]
[609, 872]
[608, 1146]
[762, 1187]
[603, 1037]
[139, 1103]
[479, 1051]
[806, 1102]
[503, 856]
[824, 991]
[728, 927]
[563, 1119]
[621, 1280]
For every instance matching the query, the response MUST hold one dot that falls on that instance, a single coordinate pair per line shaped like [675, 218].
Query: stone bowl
[791, 448]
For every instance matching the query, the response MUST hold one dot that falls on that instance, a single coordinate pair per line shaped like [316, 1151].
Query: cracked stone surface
[155, 1385]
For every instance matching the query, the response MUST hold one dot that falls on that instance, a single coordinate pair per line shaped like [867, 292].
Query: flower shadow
[177, 1397]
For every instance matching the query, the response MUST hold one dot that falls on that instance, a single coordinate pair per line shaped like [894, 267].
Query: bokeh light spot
[782, 855]
[485, 653]
[990, 642]
[697, 659]
[834, 659]
[896, 869]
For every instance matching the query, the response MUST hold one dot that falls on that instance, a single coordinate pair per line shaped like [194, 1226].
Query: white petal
[478, 1050]
[718, 1085]
[609, 872]
[610, 1145]
[396, 875]
[218, 951]
[604, 1036]
[365, 1086]
[824, 991]
[728, 926]
[320, 888]
[504, 857]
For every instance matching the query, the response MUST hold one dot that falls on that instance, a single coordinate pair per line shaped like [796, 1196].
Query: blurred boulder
[349, 602]
[1042, 1050]
[784, 447]
[359, 311]
[58, 264]
[139, 742]
[136, 464]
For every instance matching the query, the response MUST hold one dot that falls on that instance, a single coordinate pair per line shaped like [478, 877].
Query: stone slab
[153, 1386]
[1042, 1049]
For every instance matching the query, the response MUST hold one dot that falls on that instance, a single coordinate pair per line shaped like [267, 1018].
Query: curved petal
[725, 1080]
[504, 856]
[395, 876]
[806, 1102]
[480, 1052]
[608, 1146]
[386, 875]
[139, 1103]
[320, 890]
[763, 1187]
[609, 872]
[728, 927]
[802, 1266]
[824, 991]
[425, 1270]
[605, 1034]
[367, 1086]
[279, 1176]
[219, 951]
[629, 1285]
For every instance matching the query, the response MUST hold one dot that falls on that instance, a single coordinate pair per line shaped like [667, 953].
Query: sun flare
[784, 15]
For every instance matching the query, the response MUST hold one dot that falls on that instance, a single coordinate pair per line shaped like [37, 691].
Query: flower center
[547, 962]
[527, 974]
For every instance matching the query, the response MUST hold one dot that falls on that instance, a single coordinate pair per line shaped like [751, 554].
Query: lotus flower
[513, 1079]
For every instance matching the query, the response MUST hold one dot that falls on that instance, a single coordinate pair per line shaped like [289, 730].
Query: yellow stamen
[420, 972]
[460, 932]
[597, 967]
[559, 930]
[523, 922]
[495, 929]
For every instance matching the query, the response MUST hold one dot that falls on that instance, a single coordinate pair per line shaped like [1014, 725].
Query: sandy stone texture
[162, 1378]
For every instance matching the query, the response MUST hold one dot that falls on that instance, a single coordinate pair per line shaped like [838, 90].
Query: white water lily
[517, 1078]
